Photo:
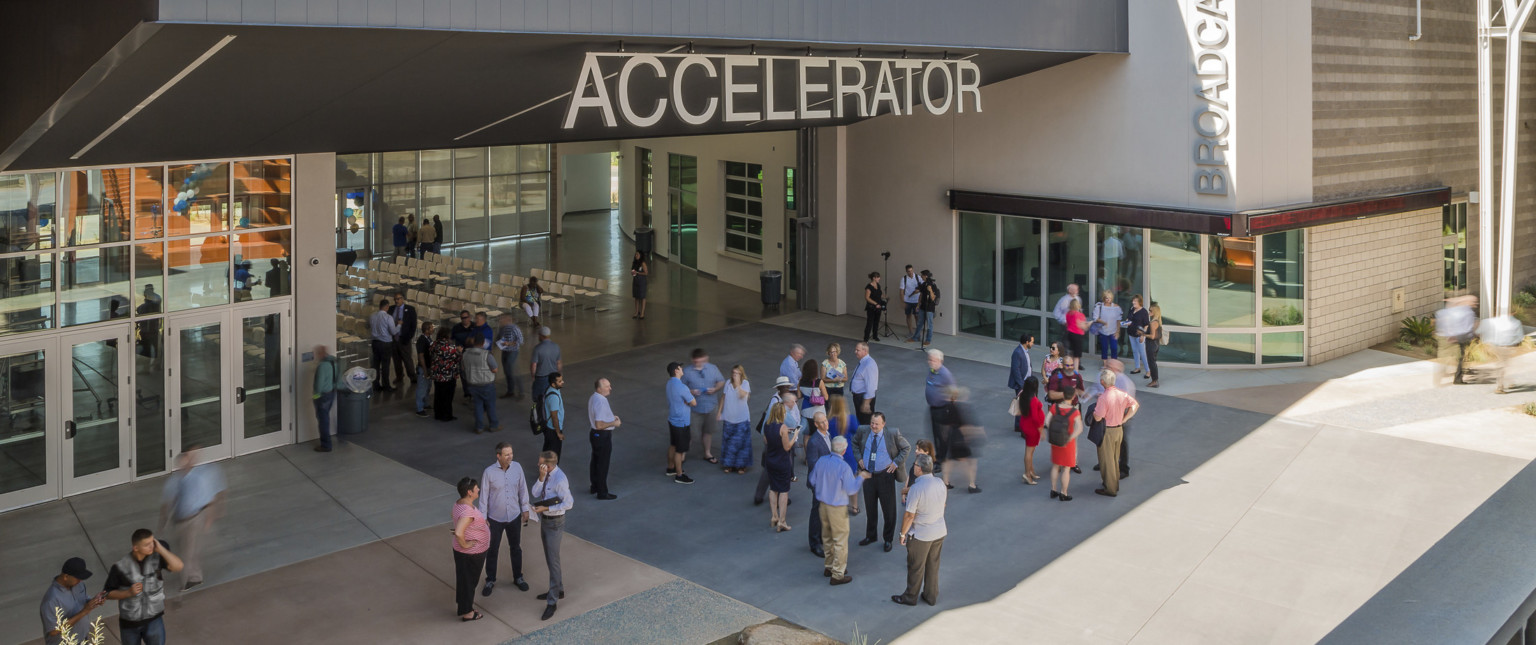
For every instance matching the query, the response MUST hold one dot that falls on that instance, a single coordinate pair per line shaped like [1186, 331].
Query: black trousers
[514, 531]
[880, 488]
[940, 438]
[442, 400]
[1152, 346]
[466, 575]
[1125, 449]
[602, 452]
[552, 442]
[871, 323]
[383, 355]
[858, 409]
[405, 362]
[814, 526]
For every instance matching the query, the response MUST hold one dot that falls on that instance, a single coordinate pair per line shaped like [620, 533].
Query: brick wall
[1352, 269]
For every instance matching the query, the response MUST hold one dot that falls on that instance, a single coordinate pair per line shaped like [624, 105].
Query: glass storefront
[1224, 300]
[478, 194]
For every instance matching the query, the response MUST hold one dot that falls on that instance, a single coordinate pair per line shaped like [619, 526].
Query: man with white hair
[1114, 408]
[833, 481]
[939, 381]
[790, 367]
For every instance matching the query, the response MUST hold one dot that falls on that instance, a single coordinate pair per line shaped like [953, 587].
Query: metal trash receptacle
[772, 285]
[645, 240]
[353, 401]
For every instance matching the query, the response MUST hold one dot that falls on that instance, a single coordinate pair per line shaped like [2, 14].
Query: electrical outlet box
[1399, 300]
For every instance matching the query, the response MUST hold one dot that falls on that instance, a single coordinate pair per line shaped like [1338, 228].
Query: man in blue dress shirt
[938, 383]
[865, 384]
[833, 482]
[679, 400]
[790, 367]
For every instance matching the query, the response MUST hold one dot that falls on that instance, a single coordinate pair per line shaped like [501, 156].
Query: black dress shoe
[888, 547]
[866, 541]
[1100, 491]
[607, 497]
[816, 550]
[826, 573]
[521, 584]
[903, 601]
[1095, 468]
[1125, 474]
[545, 596]
[842, 581]
[489, 587]
[1055, 494]
[930, 602]
[1076, 470]
[549, 612]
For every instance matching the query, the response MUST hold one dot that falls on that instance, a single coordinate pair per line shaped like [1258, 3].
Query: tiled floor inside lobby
[1264, 506]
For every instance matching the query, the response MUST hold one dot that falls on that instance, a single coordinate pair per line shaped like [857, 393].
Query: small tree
[97, 636]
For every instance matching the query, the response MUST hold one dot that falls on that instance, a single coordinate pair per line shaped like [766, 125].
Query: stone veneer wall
[1352, 270]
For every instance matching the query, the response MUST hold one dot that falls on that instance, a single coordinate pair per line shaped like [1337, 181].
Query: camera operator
[874, 303]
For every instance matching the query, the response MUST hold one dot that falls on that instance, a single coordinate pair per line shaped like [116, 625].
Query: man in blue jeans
[327, 375]
[480, 373]
[927, 303]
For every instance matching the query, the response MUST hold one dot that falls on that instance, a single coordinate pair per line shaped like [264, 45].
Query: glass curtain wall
[478, 194]
[1224, 300]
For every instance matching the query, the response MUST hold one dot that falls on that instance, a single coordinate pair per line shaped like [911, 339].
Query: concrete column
[832, 220]
[314, 275]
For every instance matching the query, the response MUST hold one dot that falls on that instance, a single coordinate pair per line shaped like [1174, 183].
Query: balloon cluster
[183, 199]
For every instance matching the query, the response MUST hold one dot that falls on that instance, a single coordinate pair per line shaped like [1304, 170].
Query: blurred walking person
[935, 387]
[192, 500]
[328, 377]
[509, 339]
[1456, 325]
[963, 438]
[1504, 335]
[423, 345]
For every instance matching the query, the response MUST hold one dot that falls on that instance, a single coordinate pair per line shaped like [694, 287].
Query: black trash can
[772, 286]
[352, 411]
[645, 240]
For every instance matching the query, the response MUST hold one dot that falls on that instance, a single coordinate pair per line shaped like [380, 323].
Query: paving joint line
[76, 513]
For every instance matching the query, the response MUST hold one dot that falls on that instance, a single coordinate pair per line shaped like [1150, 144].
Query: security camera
[314, 262]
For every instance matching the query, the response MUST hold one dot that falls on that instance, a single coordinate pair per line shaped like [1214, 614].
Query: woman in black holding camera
[874, 303]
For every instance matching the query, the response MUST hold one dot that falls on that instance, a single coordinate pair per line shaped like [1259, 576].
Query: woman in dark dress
[778, 439]
[639, 271]
[444, 373]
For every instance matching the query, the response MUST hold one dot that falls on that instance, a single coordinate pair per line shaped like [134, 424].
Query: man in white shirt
[909, 296]
[922, 532]
[504, 502]
[554, 488]
[1060, 312]
[603, 421]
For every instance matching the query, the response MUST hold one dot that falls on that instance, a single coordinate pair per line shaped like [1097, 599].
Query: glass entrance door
[262, 397]
[28, 457]
[97, 442]
[196, 377]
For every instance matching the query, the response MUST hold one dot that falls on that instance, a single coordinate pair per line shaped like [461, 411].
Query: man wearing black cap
[67, 593]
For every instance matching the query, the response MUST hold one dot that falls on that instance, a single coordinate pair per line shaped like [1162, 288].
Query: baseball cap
[76, 567]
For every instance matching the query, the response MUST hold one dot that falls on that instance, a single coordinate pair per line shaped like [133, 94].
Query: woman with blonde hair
[842, 423]
[1155, 339]
[834, 373]
[778, 440]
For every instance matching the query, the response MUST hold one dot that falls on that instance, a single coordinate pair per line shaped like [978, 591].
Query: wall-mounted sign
[1210, 33]
[644, 89]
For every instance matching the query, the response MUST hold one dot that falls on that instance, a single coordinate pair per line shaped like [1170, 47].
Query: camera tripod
[885, 330]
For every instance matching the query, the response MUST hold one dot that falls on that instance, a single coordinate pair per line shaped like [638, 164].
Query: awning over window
[1168, 218]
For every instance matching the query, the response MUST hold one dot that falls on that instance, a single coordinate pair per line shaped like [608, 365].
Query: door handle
[239, 395]
[69, 429]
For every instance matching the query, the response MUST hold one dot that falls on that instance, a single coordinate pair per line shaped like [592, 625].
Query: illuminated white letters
[624, 107]
[1211, 35]
[591, 73]
[677, 91]
[806, 87]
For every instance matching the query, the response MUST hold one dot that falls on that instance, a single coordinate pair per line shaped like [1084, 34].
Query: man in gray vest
[137, 583]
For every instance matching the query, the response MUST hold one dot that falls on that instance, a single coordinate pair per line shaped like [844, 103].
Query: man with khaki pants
[833, 481]
[1114, 408]
[922, 532]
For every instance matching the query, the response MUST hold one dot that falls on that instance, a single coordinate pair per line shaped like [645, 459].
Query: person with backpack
[927, 304]
[1064, 424]
[1066, 384]
[552, 405]
[327, 378]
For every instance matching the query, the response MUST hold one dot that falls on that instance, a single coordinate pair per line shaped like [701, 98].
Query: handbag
[1013, 407]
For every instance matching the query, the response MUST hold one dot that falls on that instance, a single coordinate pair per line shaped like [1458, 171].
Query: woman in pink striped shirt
[471, 539]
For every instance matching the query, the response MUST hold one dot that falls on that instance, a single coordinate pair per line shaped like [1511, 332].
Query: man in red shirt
[1114, 408]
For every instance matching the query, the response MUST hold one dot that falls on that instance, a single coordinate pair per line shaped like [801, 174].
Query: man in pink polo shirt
[1114, 408]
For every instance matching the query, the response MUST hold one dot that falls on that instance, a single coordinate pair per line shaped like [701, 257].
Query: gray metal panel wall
[1058, 25]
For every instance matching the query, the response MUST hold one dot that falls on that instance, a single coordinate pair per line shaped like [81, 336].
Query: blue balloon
[346, 212]
[181, 205]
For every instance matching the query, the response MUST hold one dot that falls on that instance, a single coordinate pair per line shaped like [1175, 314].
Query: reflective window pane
[149, 394]
[1120, 262]
[26, 293]
[263, 193]
[397, 166]
[1230, 349]
[978, 257]
[981, 321]
[262, 265]
[1067, 261]
[23, 442]
[1016, 324]
[1175, 280]
[199, 198]
[351, 213]
[399, 200]
[469, 162]
[534, 200]
[95, 206]
[353, 170]
[27, 211]
[1022, 282]
[148, 202]
[436, 201]
[199, 272]
[504, 160]
[1284, 347]
[202, 387]
[1229, 279]
[1283, 279]
[534, 158]
[469, 223]
[96, 285]
[96, 446]
[436, 164]
[504, 201]
[1182, 347]
[148, 278]
[262, 372]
